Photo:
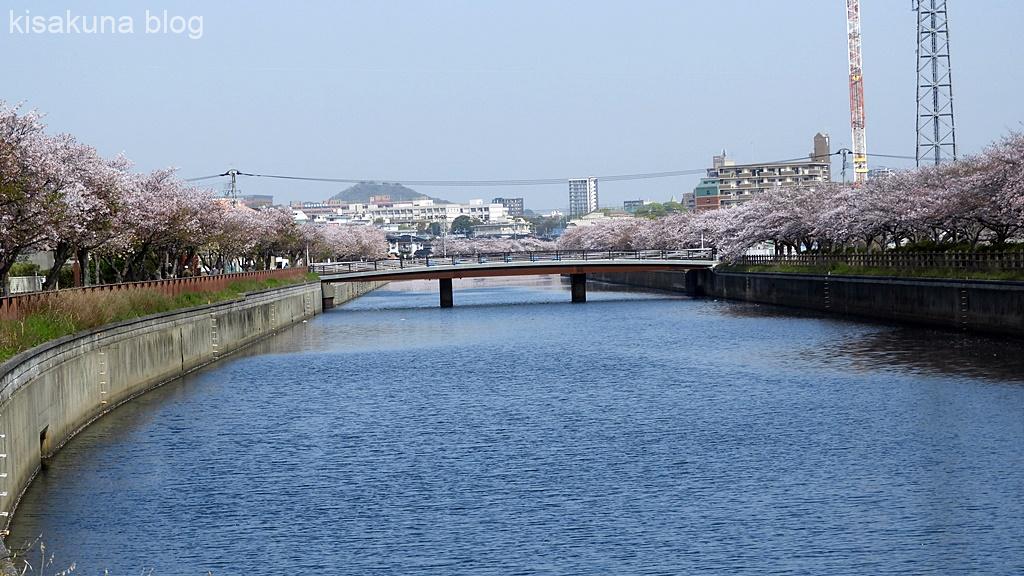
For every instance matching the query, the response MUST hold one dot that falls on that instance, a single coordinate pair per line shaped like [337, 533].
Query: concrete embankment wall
[49, 393]
[976, 305]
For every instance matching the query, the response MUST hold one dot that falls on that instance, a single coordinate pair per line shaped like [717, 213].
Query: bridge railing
[508, 258]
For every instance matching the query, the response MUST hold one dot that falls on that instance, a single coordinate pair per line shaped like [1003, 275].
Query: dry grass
[63, 313]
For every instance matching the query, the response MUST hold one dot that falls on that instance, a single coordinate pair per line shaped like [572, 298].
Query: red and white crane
[860, 146]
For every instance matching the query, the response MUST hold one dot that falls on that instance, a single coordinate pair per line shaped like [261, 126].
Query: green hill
[361, 193]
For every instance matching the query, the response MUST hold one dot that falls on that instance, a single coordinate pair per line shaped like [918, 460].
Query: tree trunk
[61, 254]
[5, 267]
[83, 262]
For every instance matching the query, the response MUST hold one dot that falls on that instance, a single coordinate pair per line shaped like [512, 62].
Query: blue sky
[473, 89]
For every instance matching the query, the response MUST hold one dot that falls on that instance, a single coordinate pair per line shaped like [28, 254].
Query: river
[517, 433]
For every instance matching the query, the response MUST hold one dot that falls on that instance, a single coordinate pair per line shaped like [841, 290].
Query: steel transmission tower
[857, 119]
[936, 136]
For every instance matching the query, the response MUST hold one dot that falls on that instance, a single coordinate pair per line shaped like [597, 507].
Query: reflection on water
[873, 345]
[518, 433]
[927, 351]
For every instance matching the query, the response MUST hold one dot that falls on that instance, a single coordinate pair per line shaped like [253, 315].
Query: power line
[205, 177]
[515, 181]
[489, 183]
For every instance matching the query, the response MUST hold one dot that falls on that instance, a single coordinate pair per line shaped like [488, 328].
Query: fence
[11, 306]
[978, 261]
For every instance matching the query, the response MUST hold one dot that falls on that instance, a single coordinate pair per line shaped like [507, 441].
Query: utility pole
[936, 133]
[444, 236]
[857, 116]
[845, 152]
[233, 193]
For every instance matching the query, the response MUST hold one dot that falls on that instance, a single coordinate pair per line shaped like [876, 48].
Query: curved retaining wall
[49, 393]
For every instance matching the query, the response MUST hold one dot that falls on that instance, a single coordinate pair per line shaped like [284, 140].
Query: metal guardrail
[387, 264]
[944, 260]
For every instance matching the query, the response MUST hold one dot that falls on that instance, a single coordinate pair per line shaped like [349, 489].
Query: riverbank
[51, 392]
[46, 316]
[994, 307]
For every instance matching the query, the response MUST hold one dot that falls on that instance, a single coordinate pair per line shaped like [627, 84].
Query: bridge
[574, 263]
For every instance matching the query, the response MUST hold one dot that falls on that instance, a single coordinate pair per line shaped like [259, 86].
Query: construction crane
[860, 146]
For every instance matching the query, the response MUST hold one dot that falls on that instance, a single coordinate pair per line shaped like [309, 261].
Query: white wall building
[582, 196]
[392, 213]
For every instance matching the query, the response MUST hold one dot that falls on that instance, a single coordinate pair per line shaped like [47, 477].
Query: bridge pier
[579, 287]
[445, 285]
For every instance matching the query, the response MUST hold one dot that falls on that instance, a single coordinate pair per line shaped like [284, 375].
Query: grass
[846, 269]
[64, 313]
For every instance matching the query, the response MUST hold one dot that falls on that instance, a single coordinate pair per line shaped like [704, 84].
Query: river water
[640, 433]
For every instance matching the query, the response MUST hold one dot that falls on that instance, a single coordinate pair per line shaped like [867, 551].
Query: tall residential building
[513, 206]
[728, 183]
[582, 196]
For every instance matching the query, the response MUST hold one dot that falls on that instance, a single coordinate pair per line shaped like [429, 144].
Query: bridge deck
[511, 264]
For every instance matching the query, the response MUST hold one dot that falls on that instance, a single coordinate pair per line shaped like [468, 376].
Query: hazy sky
[475, 89]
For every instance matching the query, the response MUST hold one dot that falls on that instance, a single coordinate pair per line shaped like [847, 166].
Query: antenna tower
[936, 134]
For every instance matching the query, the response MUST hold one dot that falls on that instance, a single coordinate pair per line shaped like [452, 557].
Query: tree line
[974, 203]
[61, 195]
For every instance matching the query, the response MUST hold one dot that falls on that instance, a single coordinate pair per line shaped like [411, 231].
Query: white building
[597, 218]
[582, 196]
[395, 213]
[517, 227]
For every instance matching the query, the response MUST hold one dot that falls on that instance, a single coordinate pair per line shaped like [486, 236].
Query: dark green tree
[462, 225]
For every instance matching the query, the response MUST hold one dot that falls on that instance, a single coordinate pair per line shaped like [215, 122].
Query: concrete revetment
[49, 393]
[994, 307]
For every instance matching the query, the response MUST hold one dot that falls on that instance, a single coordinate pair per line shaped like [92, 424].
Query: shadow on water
[927, 351]
[886, 346]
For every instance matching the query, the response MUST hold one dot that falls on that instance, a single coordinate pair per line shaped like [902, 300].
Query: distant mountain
[361, 193]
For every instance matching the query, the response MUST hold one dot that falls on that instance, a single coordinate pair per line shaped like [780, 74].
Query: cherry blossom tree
[27, 195]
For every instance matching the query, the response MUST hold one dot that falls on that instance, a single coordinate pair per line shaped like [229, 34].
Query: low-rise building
[257, 201]
[598, 217]
[397, 213]
[408, 245]
[511, 228]
[514, 207]
[632, 205]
